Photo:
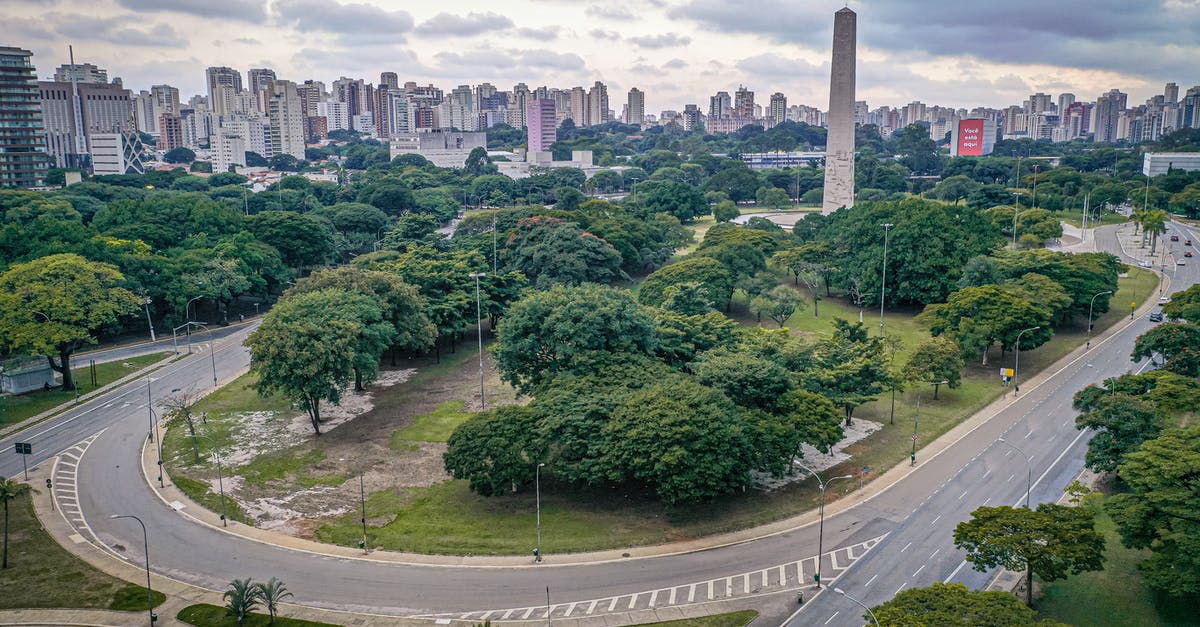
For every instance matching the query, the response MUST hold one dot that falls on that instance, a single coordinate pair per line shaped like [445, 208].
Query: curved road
[917, 514]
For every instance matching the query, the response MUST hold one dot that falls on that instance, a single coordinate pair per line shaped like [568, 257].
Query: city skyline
[676, 52]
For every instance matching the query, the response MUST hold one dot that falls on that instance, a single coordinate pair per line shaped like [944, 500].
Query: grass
[205, 615]
[202, 493]
[732, 619]
[1115, 596]
[14, 409]
[1075, 217]
[42, 574]
[436, 426]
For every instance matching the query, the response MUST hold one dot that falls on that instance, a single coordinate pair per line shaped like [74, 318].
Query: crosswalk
[65, 491]
[792, 574]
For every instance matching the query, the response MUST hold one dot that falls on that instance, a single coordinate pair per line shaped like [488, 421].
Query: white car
[1146, 264]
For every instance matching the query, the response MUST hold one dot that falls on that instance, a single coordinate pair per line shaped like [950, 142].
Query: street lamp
[1017, 360]
[1090, 303]
[864, 605]
[1016, 210]
[146, 547]
[479, 328]
[883, 283]
[212, 348]
[1028, 470]
[153, 428]
[494, 212]
[537, 551]
[188, 308]
[220, 475]
[821, 529]
[1033, 203]
[362, 499]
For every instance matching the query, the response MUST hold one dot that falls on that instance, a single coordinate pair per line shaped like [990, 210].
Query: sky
[960, 53]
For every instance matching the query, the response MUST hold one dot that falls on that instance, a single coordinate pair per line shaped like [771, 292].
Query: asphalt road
[918, 513]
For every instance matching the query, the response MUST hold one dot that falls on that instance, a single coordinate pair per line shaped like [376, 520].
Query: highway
[908, 528]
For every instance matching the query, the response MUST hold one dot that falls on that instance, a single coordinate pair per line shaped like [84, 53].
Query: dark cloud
[241, 10]
[328, 16]
[464, 25]
[609, 12]
[665, 40]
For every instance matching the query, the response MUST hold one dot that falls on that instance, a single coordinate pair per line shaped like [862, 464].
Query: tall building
[597, 104]
[228, 150]
[1171, 93]
[221, 76]
[1065, 99]
[287, 119]
[743, 102]
[23, 159]
[720, 105]
[777, 111]
[839, 143]
[542, 125]
[692, 119]
[1038, 103]
[73, 113]
[635, 107]
[80, 73]
[311, 93]
[117, 153]
[170, 132]
[258, 78]
[1108, 115]
[579, 104]
[391, 79]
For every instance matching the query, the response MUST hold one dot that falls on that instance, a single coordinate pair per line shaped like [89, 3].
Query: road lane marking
[1010, 477]
[960, 497]
[653, 598]
[955, 572]
[710, 589]
[919, 570]
[691, 594]
[939, 517]
[906, 547]
[870, 580]
[633, 599]
[935, 552]
[832, 617]
[592, 606]
[900, 588]
[670, 600]
[612, 606]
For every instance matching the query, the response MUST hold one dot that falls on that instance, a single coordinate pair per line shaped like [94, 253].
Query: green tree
[1160, 511]
[955, 188]
[10, 490]
[715, 280]
[777, 304]
[681, 439]
[54, 305]
[1053, 541]
[772, 198]
[478, 162]
[978, 317]
[496, 451]
[1184, 305]
[739, 182]
[1177, 342]
[849, 368]
[934, 360]
[1122, 422]
[179, 155]
[576, 330]
[725, 211]
[241, 599]
[310, 346]
[955, 605]
[304, 241]
[550, 251]
[672, 197]
[749, 381]
[272, 593]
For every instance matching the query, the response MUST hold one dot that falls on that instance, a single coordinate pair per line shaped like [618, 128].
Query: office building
[597, 105]
[117, 153]
[23, 159]
[228, 150]
[1159, 163]
[839, 148]
[541, 124]
[80, 73]
[578, 106]
[444, 149]
[635, 107]
[720, 105]
[72, 113]
[1171, 93]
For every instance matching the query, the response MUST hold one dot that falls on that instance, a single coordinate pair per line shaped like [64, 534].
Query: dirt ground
[355, 441]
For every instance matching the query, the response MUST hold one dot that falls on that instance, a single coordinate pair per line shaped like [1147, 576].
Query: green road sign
[24, 448]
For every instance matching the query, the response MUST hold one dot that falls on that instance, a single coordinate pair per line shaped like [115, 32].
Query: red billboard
[970, 138]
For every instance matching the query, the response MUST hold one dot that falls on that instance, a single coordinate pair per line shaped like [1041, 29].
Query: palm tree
[241, 599]
[272, 594]
[1154, 222]
[9, 490]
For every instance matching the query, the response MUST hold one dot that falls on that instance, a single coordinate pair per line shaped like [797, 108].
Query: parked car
[1146, 264]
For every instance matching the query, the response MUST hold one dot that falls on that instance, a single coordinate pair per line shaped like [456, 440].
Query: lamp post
[1016, 210]
[537, 551]
[1017, 360]
[863, 605]
[479, 328]
[1033, 203]
[146, 548]
[883, 282]
[153, 428]
[212, 349]
[821, 529]
[187, 315]
[146, 303]
[494, 271]
[1028, 469]
[1090, 304]
[220, 476]
[362, 500]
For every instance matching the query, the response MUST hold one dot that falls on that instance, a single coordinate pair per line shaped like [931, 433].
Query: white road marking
[935, 552]
[963, 494]
[592, 607]
[900, 588]
[633, 599]
[870, 580]
[939, 517]
[832, 617]
[612, 606]
[906, 547]
[918, 570]
[691, 593]
[955, 572]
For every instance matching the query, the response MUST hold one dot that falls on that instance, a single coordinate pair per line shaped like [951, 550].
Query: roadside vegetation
[15, 408]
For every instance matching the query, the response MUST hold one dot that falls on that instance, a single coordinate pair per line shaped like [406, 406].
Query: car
[1146, 264]
[1174, 238]
[1187, 242]
[1156, 317]
[1187, 253]
[1181, 263]
[1162, 300]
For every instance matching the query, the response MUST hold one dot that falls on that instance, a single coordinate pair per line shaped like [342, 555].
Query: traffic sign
[914, 437]
[24, 448]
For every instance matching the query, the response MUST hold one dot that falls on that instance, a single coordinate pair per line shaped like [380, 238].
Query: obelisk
[839, 143]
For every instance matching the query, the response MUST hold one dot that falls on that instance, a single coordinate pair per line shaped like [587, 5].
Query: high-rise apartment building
[170, 132]
[777, 109]
[23, 160]
[1065, 100]
[221, 76]
[1108, 114]
[720, 105]
[743, 102]
[635, 107]
[1171, 93]
[579, 105]
[258, 78]
[692, 119]
[80, 73]
[287, 119]
[597, 104]
[1189, 109]
[390, 79]
[1038, 103]
[311, 93]
[542, 125]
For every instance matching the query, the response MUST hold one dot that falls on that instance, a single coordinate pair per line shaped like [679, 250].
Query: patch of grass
[1075, 217]
[1116, 596]
[14, 409]
[42, 574]
[205, 615]
[203, 494]
[280, 464]
[436, 426]
[732, 619]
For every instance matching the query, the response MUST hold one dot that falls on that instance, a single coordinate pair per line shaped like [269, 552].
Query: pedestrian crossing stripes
[65, 493]
[772, 579]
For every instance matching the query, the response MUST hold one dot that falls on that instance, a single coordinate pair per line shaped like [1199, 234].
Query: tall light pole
[1033, 203]
[1017, 360]
[1090, 303]
[916, 422]
[863, 605]
[220, 476]
[479, 328]
[146, 304]
[146, 548]
[1028, 469]
[187, 316]
[212, 349]
[883, 282]
[537, 551]
[1016, 210]
[821, 529]
[494, 212]
[153, 428]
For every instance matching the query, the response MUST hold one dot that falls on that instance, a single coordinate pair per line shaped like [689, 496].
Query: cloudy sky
[958, 53]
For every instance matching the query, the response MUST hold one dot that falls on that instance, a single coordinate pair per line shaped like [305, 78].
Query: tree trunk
[1029, 585]
[358, 385]
[935, 391]
[187, 416]
[985, 352]
[816, 299]
[5, 564]
[314, 413]
[64, 368]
